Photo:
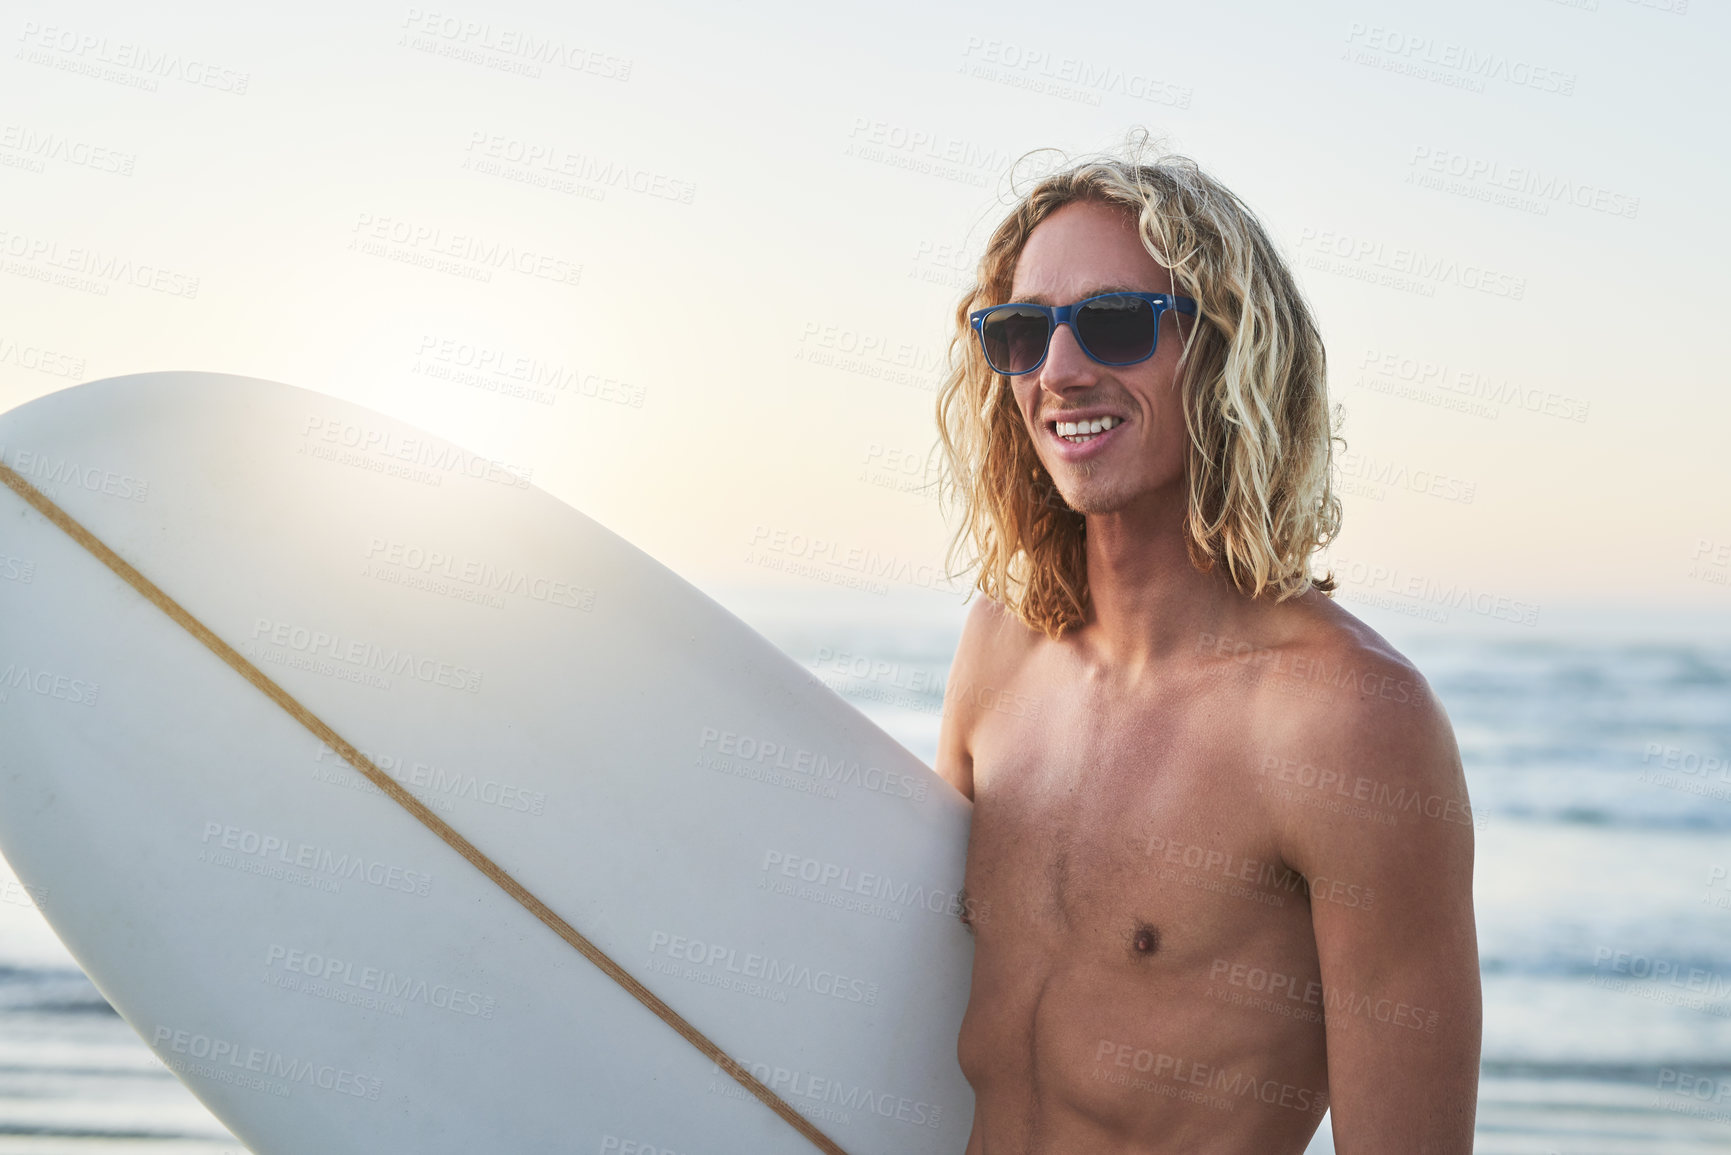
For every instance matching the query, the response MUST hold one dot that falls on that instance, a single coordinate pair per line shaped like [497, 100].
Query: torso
[1121, 865]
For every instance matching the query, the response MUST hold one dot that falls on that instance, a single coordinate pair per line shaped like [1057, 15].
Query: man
[1221, 877]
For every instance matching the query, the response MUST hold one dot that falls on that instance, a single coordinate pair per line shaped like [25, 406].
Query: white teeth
[1078, 431]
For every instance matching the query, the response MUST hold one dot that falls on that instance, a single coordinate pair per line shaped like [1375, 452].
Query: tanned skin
[1220, 856]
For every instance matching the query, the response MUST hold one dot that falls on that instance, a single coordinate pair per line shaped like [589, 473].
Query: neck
[1148, 601]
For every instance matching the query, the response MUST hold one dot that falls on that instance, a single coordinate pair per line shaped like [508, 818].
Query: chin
[1104, 494]
[1093, 499]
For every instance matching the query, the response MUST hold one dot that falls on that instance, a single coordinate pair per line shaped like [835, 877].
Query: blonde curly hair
[1254, 389]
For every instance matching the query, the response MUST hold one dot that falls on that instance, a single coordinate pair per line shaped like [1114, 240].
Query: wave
[31, 1131]
[50, 991]
[1644, 1073]
[1576, 967]
[1566, 814]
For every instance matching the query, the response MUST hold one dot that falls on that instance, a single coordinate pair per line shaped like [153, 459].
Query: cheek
[1164, 436]
[1023, 408]
[1168, 399]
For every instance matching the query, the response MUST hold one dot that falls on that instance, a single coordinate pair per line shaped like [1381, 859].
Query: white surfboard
[319, 967]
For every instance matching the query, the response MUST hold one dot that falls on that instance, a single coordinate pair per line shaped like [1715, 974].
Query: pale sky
[742, 233]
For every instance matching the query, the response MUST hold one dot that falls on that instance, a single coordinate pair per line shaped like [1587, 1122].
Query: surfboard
[295, 936]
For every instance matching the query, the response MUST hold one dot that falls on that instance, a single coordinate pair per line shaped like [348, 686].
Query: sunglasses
[1112, 328]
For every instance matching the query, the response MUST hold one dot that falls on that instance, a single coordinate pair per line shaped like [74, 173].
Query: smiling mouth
[1082, 432]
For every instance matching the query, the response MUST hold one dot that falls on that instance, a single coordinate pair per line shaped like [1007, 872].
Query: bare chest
[1121, 825]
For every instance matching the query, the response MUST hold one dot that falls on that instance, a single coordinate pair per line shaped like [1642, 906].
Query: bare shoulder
[1366, 698]
[991, 638]
[1351, 741]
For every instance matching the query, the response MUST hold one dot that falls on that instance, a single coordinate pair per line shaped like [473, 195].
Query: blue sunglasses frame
[1061, 315]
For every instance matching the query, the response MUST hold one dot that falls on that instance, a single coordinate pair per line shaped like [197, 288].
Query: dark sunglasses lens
[1118, 329]
[1014, 338]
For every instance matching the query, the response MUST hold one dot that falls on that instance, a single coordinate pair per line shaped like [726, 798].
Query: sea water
[1596, 749]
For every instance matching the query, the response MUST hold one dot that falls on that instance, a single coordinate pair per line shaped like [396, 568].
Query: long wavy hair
[1253, 381]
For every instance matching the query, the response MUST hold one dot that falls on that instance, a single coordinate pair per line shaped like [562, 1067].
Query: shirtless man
[1220, 870]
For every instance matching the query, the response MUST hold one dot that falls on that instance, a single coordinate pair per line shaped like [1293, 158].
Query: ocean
[1597, 749]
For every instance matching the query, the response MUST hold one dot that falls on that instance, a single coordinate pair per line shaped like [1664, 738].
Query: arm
[955, 762]
[1400, 973]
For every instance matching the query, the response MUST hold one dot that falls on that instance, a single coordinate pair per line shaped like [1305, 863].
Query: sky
[736, 237]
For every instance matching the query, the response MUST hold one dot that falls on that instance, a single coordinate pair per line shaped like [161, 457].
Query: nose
[1066, 366]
